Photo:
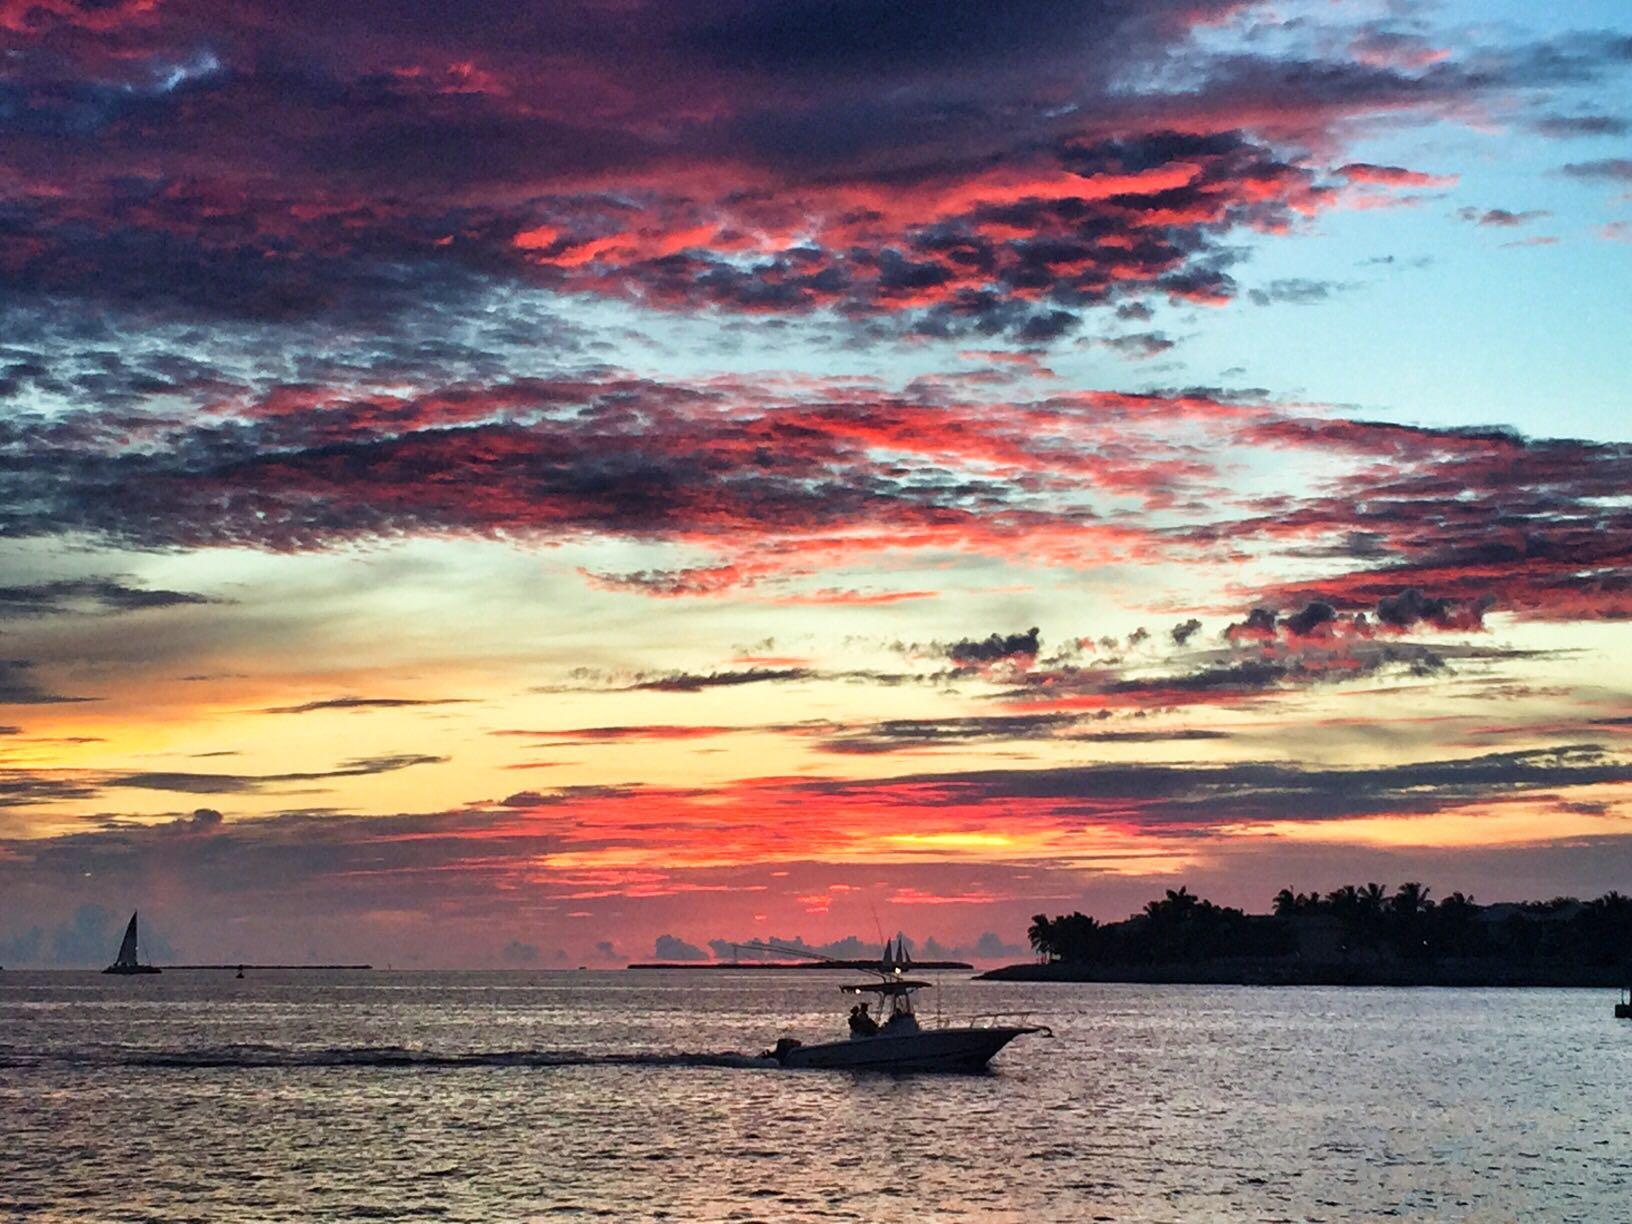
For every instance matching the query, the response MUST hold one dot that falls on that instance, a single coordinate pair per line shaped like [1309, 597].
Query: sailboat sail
[126, 961]
[127, 949]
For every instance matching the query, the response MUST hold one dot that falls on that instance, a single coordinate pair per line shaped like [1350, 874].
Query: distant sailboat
[126, 961]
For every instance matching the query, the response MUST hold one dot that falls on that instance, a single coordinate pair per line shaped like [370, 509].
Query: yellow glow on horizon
[951, 841]
[1519, 821]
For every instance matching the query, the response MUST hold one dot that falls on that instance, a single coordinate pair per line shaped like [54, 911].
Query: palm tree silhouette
[1410, 899]
[1345, 901]
[1175, 905]
[1041, 935]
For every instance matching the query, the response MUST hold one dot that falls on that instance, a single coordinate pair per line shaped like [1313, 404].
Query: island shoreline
[1270, 973]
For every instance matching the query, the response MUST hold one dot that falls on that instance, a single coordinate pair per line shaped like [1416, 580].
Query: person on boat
[901, 1020]
[861, 1023]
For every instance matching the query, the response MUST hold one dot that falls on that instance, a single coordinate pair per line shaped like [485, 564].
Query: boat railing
[996, 1019]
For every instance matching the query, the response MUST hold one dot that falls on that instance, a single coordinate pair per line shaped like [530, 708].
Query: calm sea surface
[627, 1096]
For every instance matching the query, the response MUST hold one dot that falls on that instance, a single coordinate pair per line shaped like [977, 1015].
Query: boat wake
[263, 1056]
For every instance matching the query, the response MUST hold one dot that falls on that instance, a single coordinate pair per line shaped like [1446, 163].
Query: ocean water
[636, 1095]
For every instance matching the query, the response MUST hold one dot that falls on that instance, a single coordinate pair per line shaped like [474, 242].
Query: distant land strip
[784, 965]
[235, 966]
[1278, 972]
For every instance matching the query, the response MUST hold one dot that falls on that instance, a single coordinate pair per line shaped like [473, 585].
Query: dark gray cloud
[364, 703]
[519, 952]
[989, 947]
[994, 648]
[1176, 735]
[1295, 291]
[224, 784]
[310, 166]
[1184, 631]
[1310, 618]
[106, 595]
[592, 680]
[1609, 169]
[1188, 797]
[696, 682]
[20, 787]
[1139, 345]
[309, 468]
[25, 788]
[1420, 517]
[19, 687]
[1568, 127]
[881, 736]
[1501, 218]
[1411, 608]
[673, 948]
[901, 734]
[1264, 659]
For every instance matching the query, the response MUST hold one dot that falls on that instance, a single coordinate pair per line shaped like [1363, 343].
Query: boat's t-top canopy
[891, 986]
[889, 967]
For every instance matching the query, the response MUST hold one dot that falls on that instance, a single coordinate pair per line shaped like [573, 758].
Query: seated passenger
[900, 1022]
[862, 1024]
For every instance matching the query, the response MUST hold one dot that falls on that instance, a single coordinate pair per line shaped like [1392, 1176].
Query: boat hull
[950, 1049]
[128, 970]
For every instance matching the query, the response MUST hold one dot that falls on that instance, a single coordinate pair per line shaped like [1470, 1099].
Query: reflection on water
[285, 1096]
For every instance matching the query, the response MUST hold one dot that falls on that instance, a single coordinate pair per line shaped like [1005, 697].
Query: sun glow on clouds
[764, 464]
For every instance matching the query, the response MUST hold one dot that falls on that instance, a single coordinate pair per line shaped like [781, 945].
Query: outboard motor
[783, 1046]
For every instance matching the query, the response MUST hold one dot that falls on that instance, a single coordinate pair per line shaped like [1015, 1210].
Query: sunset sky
[503, 483]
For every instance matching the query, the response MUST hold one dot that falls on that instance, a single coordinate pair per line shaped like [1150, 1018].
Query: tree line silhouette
[1356, 920]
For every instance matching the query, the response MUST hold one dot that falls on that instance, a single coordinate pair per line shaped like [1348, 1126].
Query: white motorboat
[894, 1040]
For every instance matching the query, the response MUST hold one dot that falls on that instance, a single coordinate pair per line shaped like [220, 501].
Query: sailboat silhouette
[126, 961]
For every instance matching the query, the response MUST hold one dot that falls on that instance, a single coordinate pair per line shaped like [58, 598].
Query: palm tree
[1345, 901]
[1455, 929]
[1181, 902]
[1372, 898]
[1411, 898]
[1041, 936]
[1286, 902]
[1076, 937]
